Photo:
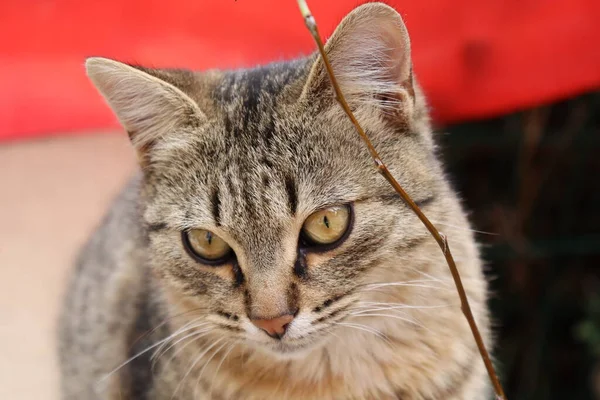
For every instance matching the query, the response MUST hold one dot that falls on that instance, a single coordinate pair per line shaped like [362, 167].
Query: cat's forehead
[254, 102]
[268, 164]
[259, 125]
[250, 87]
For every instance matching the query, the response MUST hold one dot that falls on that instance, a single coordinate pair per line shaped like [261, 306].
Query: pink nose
[274, 327]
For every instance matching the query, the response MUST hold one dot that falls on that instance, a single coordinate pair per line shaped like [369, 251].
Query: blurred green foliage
[532, 178]
[589, 329]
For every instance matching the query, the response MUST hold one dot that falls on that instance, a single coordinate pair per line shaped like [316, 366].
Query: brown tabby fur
[249, 155]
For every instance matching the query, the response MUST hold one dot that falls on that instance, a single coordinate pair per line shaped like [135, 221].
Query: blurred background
[515, 92]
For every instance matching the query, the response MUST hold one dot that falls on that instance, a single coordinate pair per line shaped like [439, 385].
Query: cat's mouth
[287, 348]
[299, 342]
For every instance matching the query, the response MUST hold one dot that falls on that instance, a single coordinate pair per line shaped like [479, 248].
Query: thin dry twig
[440, 239]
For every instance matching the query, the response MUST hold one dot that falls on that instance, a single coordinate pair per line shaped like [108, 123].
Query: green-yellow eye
[328, 226]
[205, 246]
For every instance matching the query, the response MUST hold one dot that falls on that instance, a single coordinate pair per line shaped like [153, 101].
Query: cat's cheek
[184, 303]
[323, 277]
[192, 279]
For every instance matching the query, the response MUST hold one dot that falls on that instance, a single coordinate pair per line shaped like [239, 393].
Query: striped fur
[250, 154]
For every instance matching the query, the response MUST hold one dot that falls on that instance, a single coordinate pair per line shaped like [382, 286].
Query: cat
[258, 254]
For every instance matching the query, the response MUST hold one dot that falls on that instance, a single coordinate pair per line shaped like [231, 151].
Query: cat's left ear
[149, 108]
[370, 55]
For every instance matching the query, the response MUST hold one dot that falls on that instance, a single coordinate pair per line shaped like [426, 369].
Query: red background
[474, 58]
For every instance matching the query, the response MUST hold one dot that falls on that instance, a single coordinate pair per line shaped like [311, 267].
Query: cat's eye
[327, 227]
[206, 247]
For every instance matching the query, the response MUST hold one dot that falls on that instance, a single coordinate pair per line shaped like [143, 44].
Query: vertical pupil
[209, 237]
[326, 221]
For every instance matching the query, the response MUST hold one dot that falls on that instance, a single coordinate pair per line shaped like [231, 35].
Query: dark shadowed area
[531, 179]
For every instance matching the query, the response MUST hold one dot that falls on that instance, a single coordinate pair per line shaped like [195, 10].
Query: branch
[311, 24]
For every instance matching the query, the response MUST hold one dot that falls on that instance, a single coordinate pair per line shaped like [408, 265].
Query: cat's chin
[286, 350]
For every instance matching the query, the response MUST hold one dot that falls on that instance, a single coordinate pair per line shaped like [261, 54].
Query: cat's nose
[274, 327]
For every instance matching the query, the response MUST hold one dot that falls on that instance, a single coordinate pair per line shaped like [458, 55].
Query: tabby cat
[258, 254]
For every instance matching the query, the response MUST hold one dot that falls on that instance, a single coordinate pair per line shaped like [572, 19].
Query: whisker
[433, 278]
[194, 335]
[393, 306]
[147, 349]
[175, 334]
[192, 340]
[368, 310]
[358, 311]
[407, 282]
[364, 309]
[164, 321]
[196, 360]
[391, 285]
[400, 283]
[388, 290]
[462, 228]
[446, 280]
[219, 367]
[108, 375]
[390, 316]
[363, 328]
[331, 332]
[204, 367]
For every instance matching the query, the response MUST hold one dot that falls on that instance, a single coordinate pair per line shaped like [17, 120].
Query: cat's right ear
[146, 106]
[370, 55]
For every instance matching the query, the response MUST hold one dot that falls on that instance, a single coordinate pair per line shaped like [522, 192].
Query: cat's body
[250, 155]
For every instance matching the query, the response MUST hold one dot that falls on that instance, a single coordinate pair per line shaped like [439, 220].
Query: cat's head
[265, 214]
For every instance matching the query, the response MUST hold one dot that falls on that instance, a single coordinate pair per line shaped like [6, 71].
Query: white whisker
[365, 309]
[399, 284]
[395, 306]
[462, 228]
[205, 365]
[372, 309]
[147, 349]
[194, 335]
[158, 344]
[385, 303]
[173, 336]
[390, 316]
[363, 328]
[196, 360]
[219, 367]
[433, 278]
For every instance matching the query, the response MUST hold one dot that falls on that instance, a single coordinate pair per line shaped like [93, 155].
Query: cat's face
[266, 217]
[245, 232]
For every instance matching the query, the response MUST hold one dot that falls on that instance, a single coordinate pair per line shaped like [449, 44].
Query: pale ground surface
[52, 193]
